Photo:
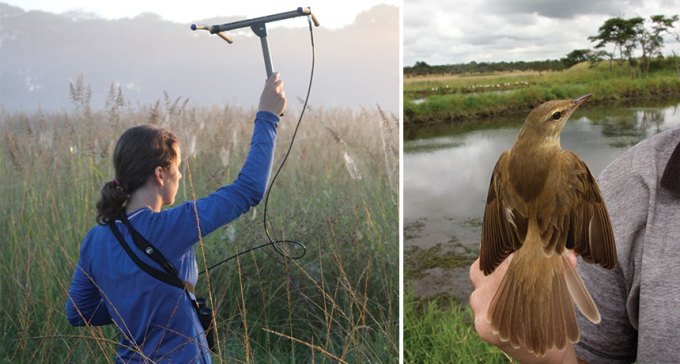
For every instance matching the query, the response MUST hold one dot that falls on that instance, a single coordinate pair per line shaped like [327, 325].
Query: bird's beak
[580, 101]
[575, 103]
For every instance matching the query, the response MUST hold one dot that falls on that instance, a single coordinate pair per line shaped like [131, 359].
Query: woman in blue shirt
[157, 321]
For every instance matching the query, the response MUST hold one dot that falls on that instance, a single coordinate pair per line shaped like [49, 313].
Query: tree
[421, 68]
[662, 24]
[620, 33]
[576, 56]
[598, 56]
[632, 27]
[627, 34]
[653, 41]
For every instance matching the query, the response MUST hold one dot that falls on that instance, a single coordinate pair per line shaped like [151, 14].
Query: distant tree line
[422, 68]
[618, 39]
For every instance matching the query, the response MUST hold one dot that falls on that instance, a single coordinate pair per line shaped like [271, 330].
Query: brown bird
[543, 200]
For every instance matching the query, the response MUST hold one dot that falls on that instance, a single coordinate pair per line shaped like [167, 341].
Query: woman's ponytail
[111, 202]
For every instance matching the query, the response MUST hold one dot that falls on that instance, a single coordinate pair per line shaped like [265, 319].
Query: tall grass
[338, 303]
[441, 331]
[472, 97]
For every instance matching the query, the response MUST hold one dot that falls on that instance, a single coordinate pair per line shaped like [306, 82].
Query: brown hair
[138, 152]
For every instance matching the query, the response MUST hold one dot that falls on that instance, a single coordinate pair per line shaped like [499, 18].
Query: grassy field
[441, 331]
[338, 194]
[448, 98]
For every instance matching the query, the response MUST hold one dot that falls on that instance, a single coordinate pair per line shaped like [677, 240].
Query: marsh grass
[478, 96]
[440, 331]
[338, 303]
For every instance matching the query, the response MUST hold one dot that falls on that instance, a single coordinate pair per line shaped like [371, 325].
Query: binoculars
[205, 316]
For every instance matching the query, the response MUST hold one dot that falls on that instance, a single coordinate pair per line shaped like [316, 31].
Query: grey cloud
[560, 8]
[512, 30]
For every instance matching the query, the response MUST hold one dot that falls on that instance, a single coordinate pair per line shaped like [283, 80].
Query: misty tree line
[618, 39]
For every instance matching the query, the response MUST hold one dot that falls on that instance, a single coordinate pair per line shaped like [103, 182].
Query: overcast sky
[461, 31]
[332, 14]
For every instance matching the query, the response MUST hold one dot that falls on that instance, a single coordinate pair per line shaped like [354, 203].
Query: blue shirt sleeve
[84, 304]
[231, 201]
[228, 202]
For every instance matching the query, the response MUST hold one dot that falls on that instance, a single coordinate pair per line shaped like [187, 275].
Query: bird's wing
[500, 236]
[590, 230]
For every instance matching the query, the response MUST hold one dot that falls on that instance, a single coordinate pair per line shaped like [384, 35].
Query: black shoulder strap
[167, 277]
[150, 250]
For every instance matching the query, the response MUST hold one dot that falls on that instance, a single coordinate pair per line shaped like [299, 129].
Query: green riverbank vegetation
[458, 98]
[338, 194]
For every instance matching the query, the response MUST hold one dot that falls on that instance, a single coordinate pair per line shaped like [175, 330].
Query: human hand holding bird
[542, 201]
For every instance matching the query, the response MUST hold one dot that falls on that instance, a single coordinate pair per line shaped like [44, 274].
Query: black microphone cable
[272, 242]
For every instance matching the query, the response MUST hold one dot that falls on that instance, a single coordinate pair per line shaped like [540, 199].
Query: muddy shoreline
[437, 263]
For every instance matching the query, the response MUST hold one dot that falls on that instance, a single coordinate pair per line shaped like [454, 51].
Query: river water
[446, 175]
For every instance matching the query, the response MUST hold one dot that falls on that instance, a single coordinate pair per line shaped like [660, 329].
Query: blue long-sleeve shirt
[157, 321]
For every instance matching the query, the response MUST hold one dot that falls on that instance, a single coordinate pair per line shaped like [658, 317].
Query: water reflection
[630, 125]
[446, 177]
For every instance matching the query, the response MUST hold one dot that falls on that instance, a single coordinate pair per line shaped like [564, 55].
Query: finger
[503, 267]
[270, 82]
[474, 273]
[484, 330]
[474, 301]
[477, 312]
[571, 256]
[274, 84]
[278, 86]
[480, 325]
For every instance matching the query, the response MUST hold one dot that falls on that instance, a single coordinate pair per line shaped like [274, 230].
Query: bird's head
[548, 119]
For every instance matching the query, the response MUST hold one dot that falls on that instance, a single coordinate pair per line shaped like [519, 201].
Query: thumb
[571, 256]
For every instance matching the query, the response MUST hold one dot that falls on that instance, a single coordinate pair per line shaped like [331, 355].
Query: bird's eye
[556, 115]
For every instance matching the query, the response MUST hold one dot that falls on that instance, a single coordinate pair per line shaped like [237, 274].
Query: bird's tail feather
[579, 293]
[533, 310]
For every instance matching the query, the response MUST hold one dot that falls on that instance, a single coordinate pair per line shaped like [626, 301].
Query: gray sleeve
[614, 339]
[616, 292]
